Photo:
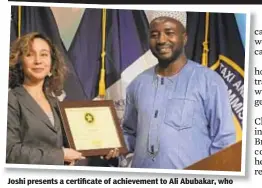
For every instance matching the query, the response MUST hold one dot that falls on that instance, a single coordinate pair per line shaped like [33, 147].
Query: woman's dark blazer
[31, 138]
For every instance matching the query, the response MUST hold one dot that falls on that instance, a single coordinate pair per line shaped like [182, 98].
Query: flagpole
[102, 87]
[205, 43]
[19, 20]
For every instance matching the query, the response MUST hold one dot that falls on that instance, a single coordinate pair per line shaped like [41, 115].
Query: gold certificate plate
[92, 127]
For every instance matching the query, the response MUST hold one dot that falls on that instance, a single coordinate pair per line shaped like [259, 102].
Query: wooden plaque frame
[80, 104]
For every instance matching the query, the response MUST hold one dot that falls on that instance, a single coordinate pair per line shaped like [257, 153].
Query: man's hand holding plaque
[112, 154]
[71, 156]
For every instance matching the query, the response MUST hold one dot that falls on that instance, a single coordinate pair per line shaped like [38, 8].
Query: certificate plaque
[92, 127]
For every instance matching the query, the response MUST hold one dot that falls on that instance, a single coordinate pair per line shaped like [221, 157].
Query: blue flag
[126, 41]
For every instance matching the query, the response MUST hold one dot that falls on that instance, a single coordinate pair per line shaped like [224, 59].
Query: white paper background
[248, 180]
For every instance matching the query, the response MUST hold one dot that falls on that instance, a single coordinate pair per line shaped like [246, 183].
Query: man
[177, 112]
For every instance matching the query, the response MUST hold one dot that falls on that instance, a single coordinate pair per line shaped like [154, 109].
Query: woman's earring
[49, 74]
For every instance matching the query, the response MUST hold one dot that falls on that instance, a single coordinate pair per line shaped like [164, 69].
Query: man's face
[167, 40]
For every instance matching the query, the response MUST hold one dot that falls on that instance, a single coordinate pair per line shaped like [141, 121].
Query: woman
[34, 133]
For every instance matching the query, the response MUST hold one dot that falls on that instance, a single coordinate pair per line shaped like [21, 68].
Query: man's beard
[164, 63]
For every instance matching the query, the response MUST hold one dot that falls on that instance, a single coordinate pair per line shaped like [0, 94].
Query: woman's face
[37, 63]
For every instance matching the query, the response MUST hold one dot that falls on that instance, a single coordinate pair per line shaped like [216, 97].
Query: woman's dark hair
[20, 48]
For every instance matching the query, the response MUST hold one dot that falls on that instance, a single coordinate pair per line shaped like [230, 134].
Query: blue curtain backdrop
[241, 22]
